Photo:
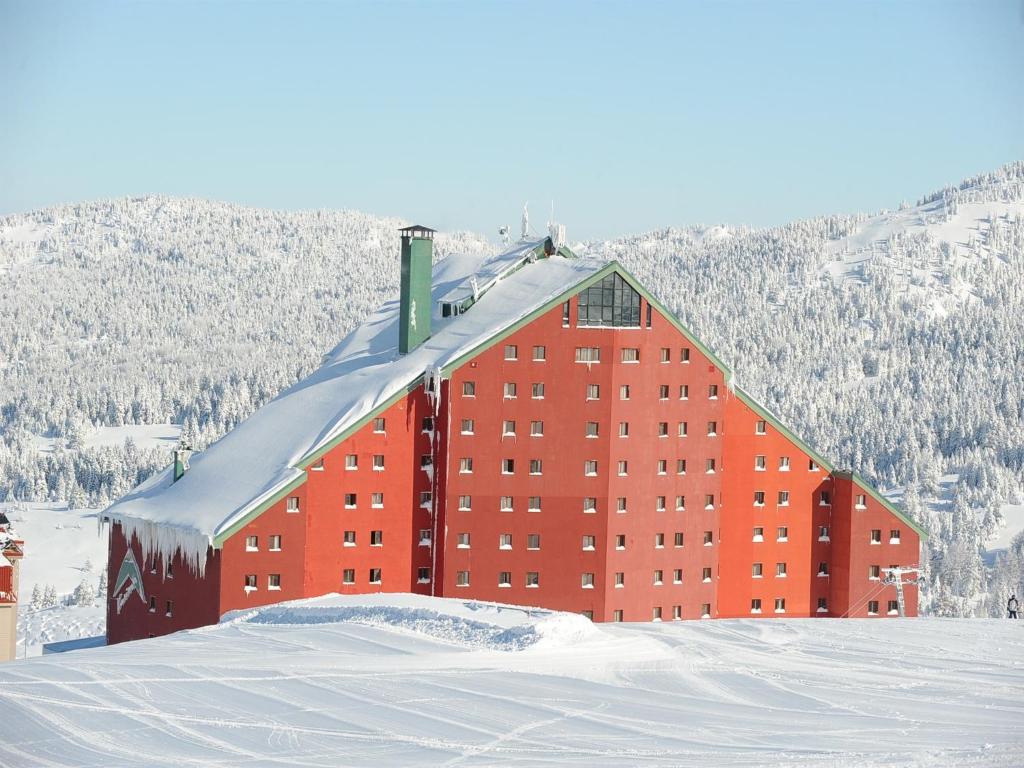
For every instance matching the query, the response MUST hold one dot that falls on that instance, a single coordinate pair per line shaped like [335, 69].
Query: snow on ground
[145, 436]
[404, 680]
[59, 623]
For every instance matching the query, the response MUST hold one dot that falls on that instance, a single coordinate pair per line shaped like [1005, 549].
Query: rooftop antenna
[526, 221]
[556, 231]
[504, 234]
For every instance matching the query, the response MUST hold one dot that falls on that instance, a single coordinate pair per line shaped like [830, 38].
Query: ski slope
[400, 680]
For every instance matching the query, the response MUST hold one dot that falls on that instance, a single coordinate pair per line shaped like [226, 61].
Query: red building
[531, 428]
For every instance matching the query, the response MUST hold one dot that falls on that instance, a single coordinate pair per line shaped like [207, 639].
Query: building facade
[583, 452]
[12, 549]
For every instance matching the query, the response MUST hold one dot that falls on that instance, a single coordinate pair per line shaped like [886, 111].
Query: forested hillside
[893, 342]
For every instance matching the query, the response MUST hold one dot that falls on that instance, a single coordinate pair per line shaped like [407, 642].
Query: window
[620, 541]
[780, 569]
[680, 466]
[152, 605]
[678, 539]
[463, 541]
[565, 315]
[874, 572]
[590, 467]
[508, 427]
[780, 605]
[705, 610]
[427, 424]
[705, 574]
[252, 543]
[533, 504]
[822, 605]
[510, 390]
[377, 500]
[659, 578]
[823, 568]
[617, 615]
[588, 354]
[505, 579]
[317, 466]
[872, 607]
[350, 500]
[666, 355]
[783, 463]
[757, 570]
[709, 538]
[469, 389]
[862, 501]
[462, 579]
[783, 498]
[536, 467]
[425, 537]
[624, 392]
[537, 390]
[709, 501]
[759, 463]
[755, 605]
[623, 466]
[540, 353]
[536, 429]
[648, 315]
[620, 504]
[505, 504]
[169, 605]
[712, 428]
[532, 579]
[274, 581]
[893, 608]
[620, 579]
[712, 391]
[593, 391]
[659, 504]
[758, 533]
[348, 576]
[351, 461]
[630, 355]
[378, 425]
[677, 612]
[825, 500]
[709, 466]
[378, 462]
[589, 543]
[659, 541]
[376, 538]
[782, 533]
[662, 429]
[894, 536]
[623, 429]
[422, 575]
[508, 466]
[761, 428]
[684, 392]
[663, 391]
[426, 499]
[511, 352]
[275, 543]
[812, 465]
[466, 465]
[592, 429]
[426, 460]
[684, 355]
[250, 583]
[612, 301]
[587, 582]
[375, 575]
[876, 536]
[589, 505]
[349, 538]
[533, 541]
[505, 541]
[677, 576]
[292, 505]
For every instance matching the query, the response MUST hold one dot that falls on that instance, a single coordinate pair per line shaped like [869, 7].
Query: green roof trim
[877, 496]
[772, 419]
[220, 538]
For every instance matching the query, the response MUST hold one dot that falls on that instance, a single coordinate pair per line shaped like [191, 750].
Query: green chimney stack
[417, 267]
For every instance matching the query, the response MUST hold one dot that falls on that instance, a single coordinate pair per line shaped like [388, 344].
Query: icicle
[166, 540]
[432, 383]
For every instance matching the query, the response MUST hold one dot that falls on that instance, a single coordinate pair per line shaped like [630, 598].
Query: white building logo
[129, 579]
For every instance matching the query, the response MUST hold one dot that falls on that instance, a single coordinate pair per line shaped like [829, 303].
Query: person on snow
[1011, 607]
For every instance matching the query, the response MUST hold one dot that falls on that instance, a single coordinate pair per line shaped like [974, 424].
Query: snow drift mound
[469, 624]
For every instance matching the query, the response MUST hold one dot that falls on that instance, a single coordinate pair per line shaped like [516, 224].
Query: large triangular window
[610, 302]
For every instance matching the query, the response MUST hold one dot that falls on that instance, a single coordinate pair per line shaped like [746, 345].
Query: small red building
[12, 549]
[530, 428]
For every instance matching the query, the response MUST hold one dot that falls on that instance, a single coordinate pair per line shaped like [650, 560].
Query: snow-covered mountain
[891, 341]
[399, 680]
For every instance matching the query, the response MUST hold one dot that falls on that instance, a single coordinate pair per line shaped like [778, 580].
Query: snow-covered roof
[260, 457]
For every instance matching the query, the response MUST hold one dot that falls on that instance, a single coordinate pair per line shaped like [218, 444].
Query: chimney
[181, 455]
[417, 258]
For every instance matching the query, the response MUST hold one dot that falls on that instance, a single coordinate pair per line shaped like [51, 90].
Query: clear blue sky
[631, 115]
